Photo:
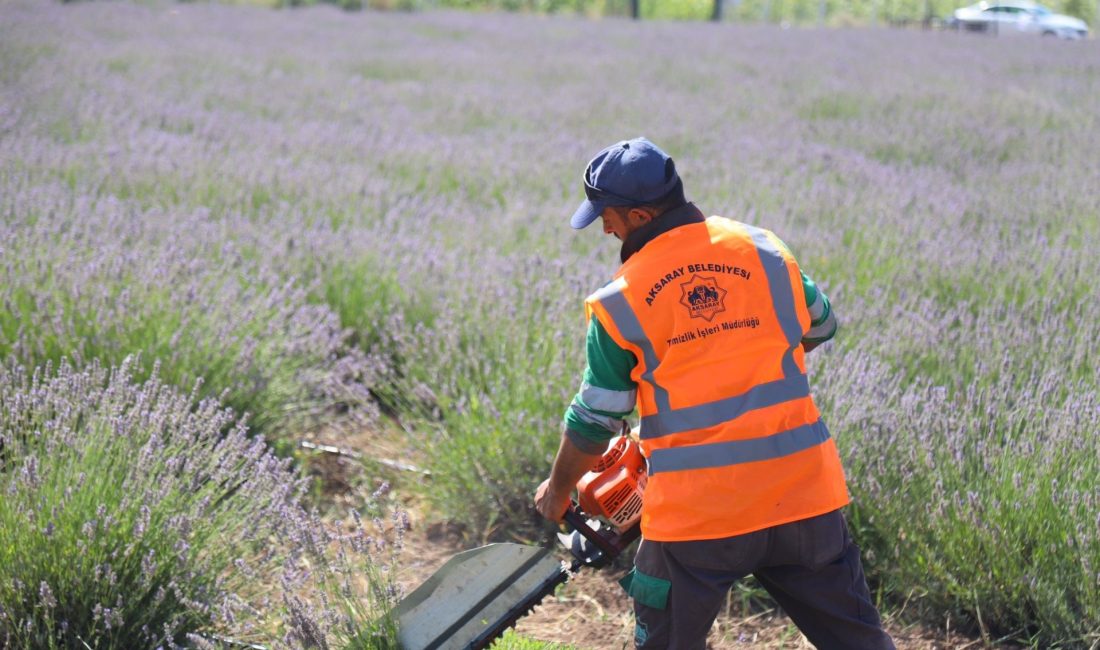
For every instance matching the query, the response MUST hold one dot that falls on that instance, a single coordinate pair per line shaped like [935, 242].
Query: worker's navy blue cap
[631, 172]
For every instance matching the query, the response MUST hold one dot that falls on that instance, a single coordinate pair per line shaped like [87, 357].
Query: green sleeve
[609, 366]
[607, 393]
[823, 323]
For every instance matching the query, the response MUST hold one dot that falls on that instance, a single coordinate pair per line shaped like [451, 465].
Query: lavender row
[137, 515]
[95, 278]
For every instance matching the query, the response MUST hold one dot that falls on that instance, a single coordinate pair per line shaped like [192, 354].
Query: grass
[513, 641]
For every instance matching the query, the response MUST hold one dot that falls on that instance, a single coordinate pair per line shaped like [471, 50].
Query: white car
[1018, 17]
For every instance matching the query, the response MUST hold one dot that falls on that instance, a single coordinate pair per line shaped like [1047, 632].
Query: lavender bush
[130, 519]
[100, 279]
[280, 187]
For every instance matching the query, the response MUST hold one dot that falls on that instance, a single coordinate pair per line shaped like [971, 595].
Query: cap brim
[586, 214]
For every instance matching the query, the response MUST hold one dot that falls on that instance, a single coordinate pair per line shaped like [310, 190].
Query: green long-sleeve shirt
[607, 393]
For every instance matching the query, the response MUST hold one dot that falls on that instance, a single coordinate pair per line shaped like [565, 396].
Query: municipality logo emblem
[703, 297]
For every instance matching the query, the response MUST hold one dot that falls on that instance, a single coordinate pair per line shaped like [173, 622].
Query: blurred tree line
[831, 12]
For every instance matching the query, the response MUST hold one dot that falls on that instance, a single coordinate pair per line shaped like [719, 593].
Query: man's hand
[553, 495]
[551, 506]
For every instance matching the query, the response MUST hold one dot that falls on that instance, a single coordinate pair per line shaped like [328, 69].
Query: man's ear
[640, 216]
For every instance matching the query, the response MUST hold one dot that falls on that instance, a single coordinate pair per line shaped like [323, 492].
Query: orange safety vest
[715, 313]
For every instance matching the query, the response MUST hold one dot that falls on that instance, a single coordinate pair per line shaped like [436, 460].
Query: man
[704, 328]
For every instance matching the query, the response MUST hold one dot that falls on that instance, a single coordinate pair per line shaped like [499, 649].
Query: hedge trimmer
[478, 594]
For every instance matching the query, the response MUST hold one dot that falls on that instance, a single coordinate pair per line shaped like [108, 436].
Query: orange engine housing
[613, 490]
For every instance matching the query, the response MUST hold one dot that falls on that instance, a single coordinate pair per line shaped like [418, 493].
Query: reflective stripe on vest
[735, 452]
[779, 282]
[611, 297]
[712, 414]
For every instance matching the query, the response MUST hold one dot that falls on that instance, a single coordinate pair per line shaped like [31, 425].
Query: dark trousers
[811, 568]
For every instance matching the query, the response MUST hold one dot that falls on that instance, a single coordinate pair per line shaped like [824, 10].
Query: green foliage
[237, 343]
[833, 107]
[1082, 9]
[356, 5]
[360, 292]
[968, 526]
[134, 516]
[513, 641]
[806, 12]
[117, 524]
[485, 396]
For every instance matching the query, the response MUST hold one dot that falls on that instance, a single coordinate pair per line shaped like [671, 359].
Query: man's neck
[674, 218]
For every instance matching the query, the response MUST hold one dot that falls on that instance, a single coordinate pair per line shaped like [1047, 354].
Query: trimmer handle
[609, 542]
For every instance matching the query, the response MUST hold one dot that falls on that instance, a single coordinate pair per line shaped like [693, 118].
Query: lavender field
[351, 220]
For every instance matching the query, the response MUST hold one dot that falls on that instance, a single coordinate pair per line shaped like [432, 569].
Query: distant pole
[821, 12]
[716, 15]
[635, 9]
